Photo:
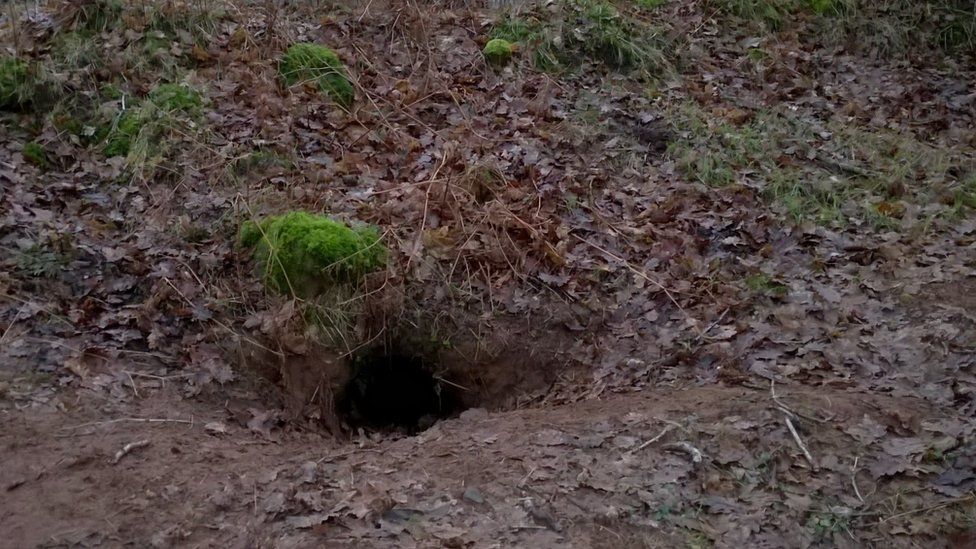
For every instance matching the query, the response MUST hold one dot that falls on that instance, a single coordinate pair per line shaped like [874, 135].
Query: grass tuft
[587, 29]
[829, 175]
[35, 154]
[888, 29]
[16, 83]
[304, 62]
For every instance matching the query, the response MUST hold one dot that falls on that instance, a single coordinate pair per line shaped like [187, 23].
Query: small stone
[474, 495]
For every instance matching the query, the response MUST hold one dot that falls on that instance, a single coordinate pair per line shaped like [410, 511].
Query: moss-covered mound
[15, 84]
[498, 51]
[319, 64]
[302, 253]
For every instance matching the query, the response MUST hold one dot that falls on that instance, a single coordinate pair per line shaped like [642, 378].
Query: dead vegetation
[627, 195]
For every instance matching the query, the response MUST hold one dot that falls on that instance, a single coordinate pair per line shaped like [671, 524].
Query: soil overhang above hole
[396, 390]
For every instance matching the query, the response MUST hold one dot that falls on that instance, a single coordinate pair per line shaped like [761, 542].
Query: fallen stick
[695, 453]
[130, 419]
[799, 441]
[945, 503]
[789, 411]
[129, 448]
[666, 430]
[857, 492]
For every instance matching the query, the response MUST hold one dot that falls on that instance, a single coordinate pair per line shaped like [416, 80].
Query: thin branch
[799, 441]
[128, 448]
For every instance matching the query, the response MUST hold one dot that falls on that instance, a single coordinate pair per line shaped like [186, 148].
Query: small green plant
[177, 97]
[586, 29]
[138, 131]
[826, 523]
[498, 51]
[769, 13]
[41, 260]
[831, 7]
[97, 16]
[121, 135]
[964, 195]
[828, 175]
[16, 85]
[514, 29]
[532, 36]
[603, 33]
[303, 254]
[651, 4]
[891, 28]
[35, 154]
[762, 283]
[261, 160]
[314, 63]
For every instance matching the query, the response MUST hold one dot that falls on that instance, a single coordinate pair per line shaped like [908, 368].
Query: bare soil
[668, 466]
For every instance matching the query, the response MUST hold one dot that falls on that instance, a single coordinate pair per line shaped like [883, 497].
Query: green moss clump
[15, 83]
[302, 253]
[35, 154]
[498, 51]
[314, 63]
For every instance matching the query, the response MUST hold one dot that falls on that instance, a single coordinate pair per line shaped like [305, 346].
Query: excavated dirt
[664, 467]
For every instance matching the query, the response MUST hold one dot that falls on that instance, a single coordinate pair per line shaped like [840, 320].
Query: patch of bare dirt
[664, 467]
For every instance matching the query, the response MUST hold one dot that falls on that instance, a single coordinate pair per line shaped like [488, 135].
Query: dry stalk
[129, 420]
[658, 437]
[799, 441]
[686, 447]
[857, 491]
[128, 448]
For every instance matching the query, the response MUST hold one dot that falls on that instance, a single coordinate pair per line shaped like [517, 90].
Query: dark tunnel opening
[396, 391]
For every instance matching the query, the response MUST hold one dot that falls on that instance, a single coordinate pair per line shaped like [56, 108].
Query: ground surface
[613, 472]
[720, 294]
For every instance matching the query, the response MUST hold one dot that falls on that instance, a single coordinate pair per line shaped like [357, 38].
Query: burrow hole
[394, 390]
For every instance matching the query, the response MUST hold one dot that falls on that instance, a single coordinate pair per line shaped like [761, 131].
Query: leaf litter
[558, 200]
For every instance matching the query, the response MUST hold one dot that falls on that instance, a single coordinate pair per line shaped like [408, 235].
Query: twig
[946, 503]
[665, 431]
[9, 327]
[221, 324]
[131, 420]
[789, 411]
[712, 325]
[799, 441]
[772, 393]
[129, 448]
[451, 383]
[857, 492]
[695, 453]
[347, 453]
[135, 391]
[154, 376]
[423, 220]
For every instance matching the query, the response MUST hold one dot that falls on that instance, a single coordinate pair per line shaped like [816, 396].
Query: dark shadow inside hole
[395, 391]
